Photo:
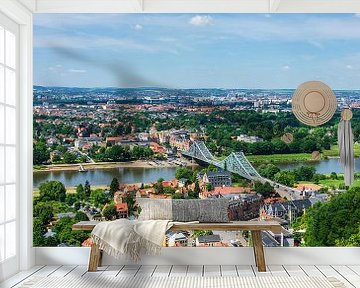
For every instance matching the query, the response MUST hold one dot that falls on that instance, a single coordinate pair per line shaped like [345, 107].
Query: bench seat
[254, 226]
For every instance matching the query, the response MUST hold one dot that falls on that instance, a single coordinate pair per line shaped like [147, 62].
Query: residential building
[216, 178]
[84, 141]
[209, 241]
[248, 139]
[177, 239]
[122, 210]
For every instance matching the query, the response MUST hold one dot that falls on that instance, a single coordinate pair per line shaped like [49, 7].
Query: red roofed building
[225, 191]
[171, 183]
[157, 148]
[122, 210]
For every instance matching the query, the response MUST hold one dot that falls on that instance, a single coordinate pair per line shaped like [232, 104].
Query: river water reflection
[147, 175]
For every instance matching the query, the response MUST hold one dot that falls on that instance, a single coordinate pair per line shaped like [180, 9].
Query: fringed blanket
[129, 237]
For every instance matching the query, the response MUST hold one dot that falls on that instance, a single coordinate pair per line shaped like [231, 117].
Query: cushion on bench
[184, 210]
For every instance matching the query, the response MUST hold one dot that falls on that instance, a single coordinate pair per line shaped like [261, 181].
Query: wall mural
[195, 106]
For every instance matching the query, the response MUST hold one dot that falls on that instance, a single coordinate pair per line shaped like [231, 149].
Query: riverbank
[110, 165]
[299, 157]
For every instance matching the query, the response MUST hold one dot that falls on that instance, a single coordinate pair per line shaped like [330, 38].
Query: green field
[278, 158]
[334, 151]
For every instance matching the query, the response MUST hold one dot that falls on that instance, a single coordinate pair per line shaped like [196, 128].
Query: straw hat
[314, 103]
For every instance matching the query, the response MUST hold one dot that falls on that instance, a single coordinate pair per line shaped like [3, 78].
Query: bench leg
[258, 251]
[94, 259]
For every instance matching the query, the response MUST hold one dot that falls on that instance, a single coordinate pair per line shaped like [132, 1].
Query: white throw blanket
[128, 237]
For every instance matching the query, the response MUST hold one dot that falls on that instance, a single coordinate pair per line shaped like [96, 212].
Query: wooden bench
[254, 226]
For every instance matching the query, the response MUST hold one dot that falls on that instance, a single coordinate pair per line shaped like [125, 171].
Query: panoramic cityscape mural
[193, 106]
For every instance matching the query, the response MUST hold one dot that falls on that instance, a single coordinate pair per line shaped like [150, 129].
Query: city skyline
[196, 50]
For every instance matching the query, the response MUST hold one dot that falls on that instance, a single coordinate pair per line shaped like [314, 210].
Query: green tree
[268, 170]
[41, 154]
[285, 177]
[109, 212]
[265, 190]
[52, 190]
[80, 192]
[184, 172]
[44, 212]
[87, 189]
[335, 222]
[81, 216]
[114, 186]
[38, 232]
[69, 157]
[98, 198]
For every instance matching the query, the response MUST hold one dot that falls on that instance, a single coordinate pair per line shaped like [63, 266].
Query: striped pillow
[184, 210]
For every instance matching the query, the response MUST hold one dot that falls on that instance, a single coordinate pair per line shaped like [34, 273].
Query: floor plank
[278, 270]
[178, 270]
[20, 277]
[129, 271]
[245, 271]
[229, 270]
[348, 274]
[328, 271]
[162, 271]
[195, 271]
[97, 273]
[47, 271]
[78, 271]
[62, 271]
[311, 271]
[261, 274]
[146, 271]
[294, 271]
[112, 270]
[212, 270]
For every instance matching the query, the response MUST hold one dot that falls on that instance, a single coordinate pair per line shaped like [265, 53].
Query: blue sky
[196, 50]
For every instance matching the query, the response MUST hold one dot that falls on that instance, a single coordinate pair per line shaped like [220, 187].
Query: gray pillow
[184, 210]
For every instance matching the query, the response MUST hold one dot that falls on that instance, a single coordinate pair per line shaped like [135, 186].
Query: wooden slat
[328, 271]
[112, 270]
[79, 271]
[20, 277]
[162, 271]
[195, 271]
[212, 270]
[267, 273]
[129, 271]
[311, 271]
[245, 271]
[348, 274]
[146, 271]
[278, 270]
[47, 270]
[231, 226]
[97, 273]
[294, 271]
[178, 270]
[228, 270]
[62, 271]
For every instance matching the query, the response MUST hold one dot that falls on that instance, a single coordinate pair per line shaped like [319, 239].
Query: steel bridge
[235, 163]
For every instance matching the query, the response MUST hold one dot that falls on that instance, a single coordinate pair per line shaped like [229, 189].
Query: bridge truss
[235, 163]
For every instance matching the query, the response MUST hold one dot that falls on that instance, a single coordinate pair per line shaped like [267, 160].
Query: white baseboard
[210, 256]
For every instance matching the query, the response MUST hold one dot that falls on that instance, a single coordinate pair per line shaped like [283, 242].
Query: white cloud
[285, 67]
[77, 71]
[138, 27]
[199, 20]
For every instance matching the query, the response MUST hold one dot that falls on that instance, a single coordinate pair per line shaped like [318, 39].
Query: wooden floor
[350, 275]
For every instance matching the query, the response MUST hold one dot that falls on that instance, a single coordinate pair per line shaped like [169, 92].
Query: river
[147, 175]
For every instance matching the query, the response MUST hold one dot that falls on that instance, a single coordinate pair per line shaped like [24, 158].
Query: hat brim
[314, 103]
